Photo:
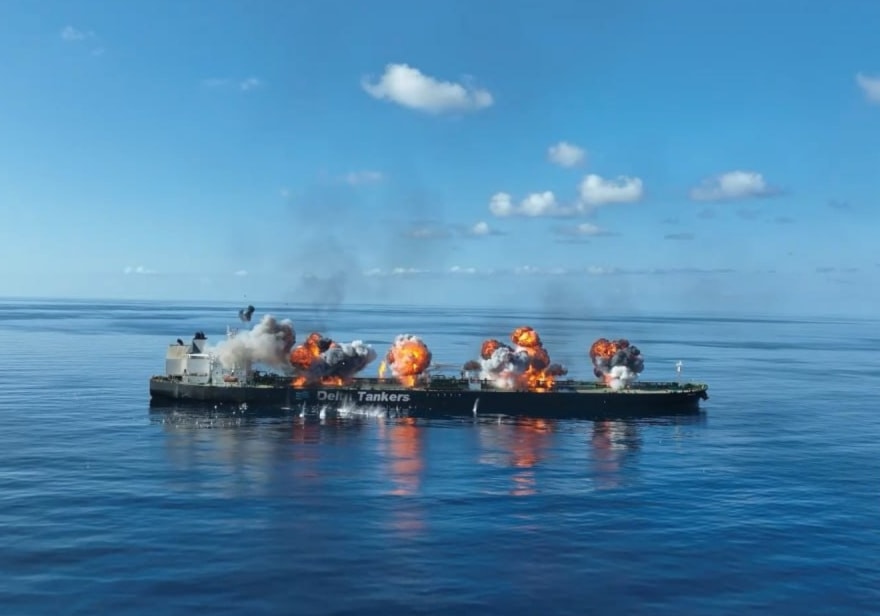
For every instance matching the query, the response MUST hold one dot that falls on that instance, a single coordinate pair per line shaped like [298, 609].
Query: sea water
[766, 502]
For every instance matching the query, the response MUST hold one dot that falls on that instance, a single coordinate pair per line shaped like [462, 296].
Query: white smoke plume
[620, 377]
[343, 359]
[504, 366]
[268, 343]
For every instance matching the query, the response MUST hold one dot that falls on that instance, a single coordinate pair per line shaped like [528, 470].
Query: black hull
[453, 397]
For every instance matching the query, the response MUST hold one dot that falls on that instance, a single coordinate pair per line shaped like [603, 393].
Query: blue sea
[768, 501]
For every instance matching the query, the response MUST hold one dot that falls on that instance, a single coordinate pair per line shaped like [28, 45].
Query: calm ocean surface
[768, 502]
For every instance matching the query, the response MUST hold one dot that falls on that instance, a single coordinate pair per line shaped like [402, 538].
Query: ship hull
[452, 397]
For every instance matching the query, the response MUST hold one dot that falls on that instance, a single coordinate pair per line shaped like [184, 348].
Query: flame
[607, 348]
[538, 374]
[382, 368]
[306, 355]
[615, 362]
[489, 347]
[536, 377]
[408, 357]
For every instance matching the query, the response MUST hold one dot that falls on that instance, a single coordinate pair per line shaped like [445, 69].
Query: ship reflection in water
[384, 460]
[613, 443]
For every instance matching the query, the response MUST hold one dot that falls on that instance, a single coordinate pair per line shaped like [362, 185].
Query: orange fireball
[304, 356]
[489, 347]
[408, 358]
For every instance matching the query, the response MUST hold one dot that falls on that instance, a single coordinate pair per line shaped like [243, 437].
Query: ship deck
[440, 384]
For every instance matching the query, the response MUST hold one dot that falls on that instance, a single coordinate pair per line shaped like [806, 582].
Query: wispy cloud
[409, 87]
[784, 220]
[428, 232]
[706, 213]
[870, 86]
[357, 178]
[396, 271]
[672, 220]
[838, 205]
[733, 186]
[250, 83]
[241, 272]
[76, 36]
[73, 35]
[679, 236]
[244, 85]
[582, 230]
[140, 270]
[566, 154]
[748, 214]
[440, 231]
[831, 269]
[538, 271]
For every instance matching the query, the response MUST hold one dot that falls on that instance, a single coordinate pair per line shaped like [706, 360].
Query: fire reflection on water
[519, 446]
[402, 446]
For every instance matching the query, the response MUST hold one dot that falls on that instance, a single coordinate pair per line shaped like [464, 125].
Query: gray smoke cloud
[617, 362]
[245, 314]
[504, 364]
[340, 360]
[269, 343]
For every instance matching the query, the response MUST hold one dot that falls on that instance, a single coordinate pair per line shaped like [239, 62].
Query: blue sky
[638, 155]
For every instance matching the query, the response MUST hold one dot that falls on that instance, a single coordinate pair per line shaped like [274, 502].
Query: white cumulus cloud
[732, 186]
[481, 228]
[566, 154]
[870, 86]
[536, 204]
[409, 87]
[596, 190]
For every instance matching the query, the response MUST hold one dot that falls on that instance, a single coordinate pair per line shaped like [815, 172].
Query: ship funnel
[200, 341]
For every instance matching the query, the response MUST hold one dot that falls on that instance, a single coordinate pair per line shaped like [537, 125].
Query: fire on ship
[515, 377]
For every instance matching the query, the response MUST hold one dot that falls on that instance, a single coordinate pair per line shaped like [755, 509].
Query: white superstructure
[194, 364]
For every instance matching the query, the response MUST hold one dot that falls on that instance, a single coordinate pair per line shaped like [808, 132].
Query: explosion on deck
[525, 365]
[522, 365]
[617, 362]
[320, 360]
[408, 358]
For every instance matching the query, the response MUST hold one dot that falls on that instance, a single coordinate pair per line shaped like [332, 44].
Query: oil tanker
[515, 379]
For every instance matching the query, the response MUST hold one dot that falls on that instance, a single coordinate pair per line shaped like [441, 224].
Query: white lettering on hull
[362, 396]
